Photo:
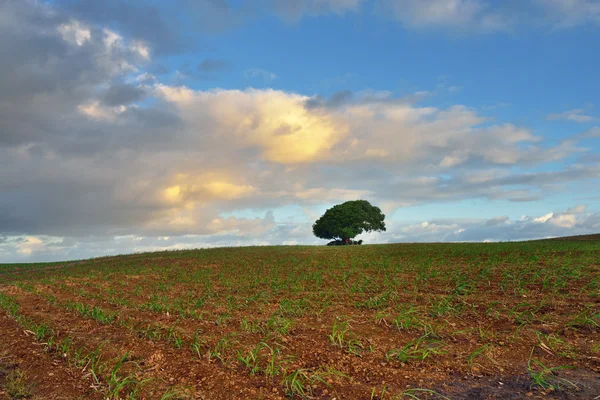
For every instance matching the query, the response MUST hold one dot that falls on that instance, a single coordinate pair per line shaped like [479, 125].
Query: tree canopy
[349, 219]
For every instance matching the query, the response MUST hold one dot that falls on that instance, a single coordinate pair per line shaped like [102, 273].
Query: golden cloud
[276, 122]
[187, 192]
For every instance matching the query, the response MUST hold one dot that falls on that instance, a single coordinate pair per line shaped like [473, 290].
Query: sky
[130, 125]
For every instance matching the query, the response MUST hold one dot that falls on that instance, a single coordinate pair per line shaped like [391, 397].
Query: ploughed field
[404, 321]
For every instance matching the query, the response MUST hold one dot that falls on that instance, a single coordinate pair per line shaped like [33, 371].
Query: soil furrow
[168, 366]
[27, 369]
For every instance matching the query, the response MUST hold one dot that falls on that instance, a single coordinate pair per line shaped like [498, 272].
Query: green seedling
[545, 377]
[417, 350]
[422, 394]
[480, 351]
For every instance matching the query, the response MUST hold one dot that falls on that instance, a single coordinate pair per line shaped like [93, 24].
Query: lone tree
[345, 221]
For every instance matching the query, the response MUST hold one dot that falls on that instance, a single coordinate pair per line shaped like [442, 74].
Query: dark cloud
[496, 221]
[212, 65]
[123, 94]
[47, 75]
[293, 11]
[347, 97]
[337, 99]
[136, 18]
[93, 146]
[150, 118]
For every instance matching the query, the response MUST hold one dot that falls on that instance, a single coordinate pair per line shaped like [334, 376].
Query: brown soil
[493, 317]
[43, 375]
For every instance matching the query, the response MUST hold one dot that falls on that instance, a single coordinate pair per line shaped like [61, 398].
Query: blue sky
[132, 125]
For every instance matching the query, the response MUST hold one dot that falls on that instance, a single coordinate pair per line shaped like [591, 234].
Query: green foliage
[17, 386]
[245, 309]
[349, 219]
[545, 377]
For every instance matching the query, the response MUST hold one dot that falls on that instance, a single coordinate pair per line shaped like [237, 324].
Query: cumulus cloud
[142, 166]
[123, 94]
[553, 224]
[153, 23]
[139, 19]
[266, 230]
[96, 150]
[497, 221]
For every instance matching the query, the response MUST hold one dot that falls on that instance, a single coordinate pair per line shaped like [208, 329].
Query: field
[403, 321]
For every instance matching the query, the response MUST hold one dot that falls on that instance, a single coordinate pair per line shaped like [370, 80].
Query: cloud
[56, 64]
[447, 14]
[172, 168]
[258, 73]
[295, 10]
[274, 123]
[123, 94]
[497, 221]
[75, 32]
[590, 134]
[122, 155]
[138, 19]
[570, 13]
[491, 16]
[185, 156]
[577, 115]
[337, 99]
[212, 65]
[553, 224]
[364, 97]
[156, 24]
[578, 209]
[267, 230]
[544, 218]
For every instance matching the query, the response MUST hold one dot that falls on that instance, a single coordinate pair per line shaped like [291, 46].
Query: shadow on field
[519, 387]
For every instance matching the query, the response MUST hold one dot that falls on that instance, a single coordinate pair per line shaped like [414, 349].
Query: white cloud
[158, 30]
[452, 161]
[578, 209]
[112, 39]
[171, 169]
[577, 115]
[75, 32]
[452, 14]
[275, 122]
[592, 133]
[258, 73]
[267, 230]
[492, 16]
[98, 111]
[108, 164]
[146, 77]
[141, 48]
[543, 218]
[553, 224]
[564, 220]
[570, 13]
[30, 244]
